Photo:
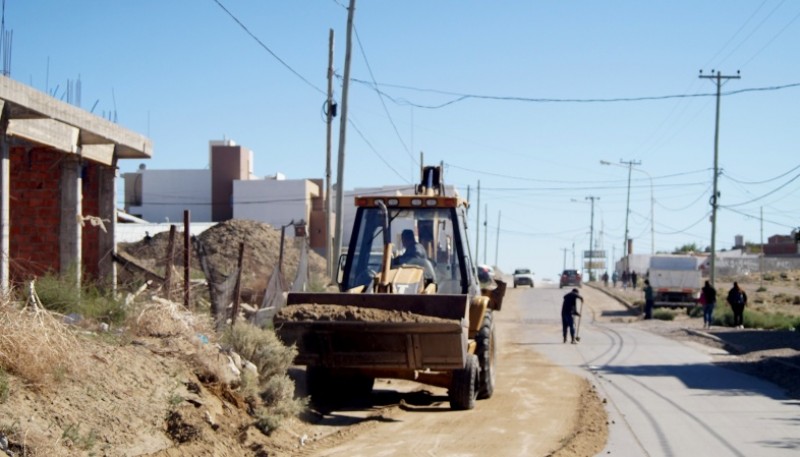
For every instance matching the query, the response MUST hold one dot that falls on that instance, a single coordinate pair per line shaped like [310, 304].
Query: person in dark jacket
[737, 298]
[569, 309]
[648, 300]
[709, 297]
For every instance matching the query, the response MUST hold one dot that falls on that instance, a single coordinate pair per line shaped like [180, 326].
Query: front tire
[462, 391]
[486, 351]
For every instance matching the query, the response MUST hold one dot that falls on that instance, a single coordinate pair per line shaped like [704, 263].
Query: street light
[630, 166]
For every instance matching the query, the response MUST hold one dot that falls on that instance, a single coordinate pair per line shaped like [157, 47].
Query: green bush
[758, 319]
[664, 315]
[695, 311]
[59, 294]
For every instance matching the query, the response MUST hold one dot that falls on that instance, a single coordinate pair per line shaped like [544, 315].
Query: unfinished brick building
[58, 164]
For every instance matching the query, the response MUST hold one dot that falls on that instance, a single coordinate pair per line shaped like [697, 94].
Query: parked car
[523, 277]
[570, 278]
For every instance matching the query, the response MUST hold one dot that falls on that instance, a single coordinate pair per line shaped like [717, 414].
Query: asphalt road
[664, 397]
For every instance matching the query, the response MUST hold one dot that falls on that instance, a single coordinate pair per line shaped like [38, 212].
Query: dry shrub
[162, 318]
[36, 346]
[275, 401]
[262, 347]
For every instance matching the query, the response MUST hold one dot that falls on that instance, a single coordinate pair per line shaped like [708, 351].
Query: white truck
[675, 280]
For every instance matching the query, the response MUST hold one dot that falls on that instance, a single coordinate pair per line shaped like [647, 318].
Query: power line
[722, 173]
[521, 178]
[758, 217]
[752, 32]
[462, 97]
[684, 230]
[266, 48]
[775, 37]
[764, 195]
[375, 151]
[380, 96]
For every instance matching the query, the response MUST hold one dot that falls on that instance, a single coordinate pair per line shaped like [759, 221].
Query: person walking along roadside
[648, 300]
[568, 311]
[709, 300]
[737, 298]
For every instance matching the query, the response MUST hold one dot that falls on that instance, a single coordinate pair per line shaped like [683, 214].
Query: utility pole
[715, 195]
[497, 239]
[330, 112]
[630, 164]
[591, 239]
[337, 241]
[573, 255]
[761, 257]
[478, 225]
[565, 258]
[485, 231]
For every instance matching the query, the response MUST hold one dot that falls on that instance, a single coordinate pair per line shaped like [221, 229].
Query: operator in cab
[413, 250]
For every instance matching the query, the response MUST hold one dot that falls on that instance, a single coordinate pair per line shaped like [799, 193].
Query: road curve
[665, 398]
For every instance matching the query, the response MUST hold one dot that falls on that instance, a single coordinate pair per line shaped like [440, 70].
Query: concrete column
[70, 229]
[5, 219]
[108, 213]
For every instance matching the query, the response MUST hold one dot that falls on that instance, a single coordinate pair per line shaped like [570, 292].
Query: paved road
[665, 398]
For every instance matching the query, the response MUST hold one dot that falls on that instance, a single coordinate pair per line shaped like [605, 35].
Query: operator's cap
[575, 290]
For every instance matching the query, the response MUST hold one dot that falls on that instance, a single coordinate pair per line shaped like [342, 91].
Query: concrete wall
[165, 194]
[131, 233]
[276, 202]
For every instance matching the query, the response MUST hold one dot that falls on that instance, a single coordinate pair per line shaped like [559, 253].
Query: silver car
[523, 277]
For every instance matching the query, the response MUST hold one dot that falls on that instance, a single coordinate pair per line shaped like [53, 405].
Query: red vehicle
[570, 278]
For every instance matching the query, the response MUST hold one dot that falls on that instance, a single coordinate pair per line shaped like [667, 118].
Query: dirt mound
[221, 244]
[316, 312]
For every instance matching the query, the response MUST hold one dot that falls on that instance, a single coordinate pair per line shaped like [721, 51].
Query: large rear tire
[319, 385]
[326, 385]
[486, 352]
[463, 392]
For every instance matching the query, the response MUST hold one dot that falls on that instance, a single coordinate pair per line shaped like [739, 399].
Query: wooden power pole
[718, 78]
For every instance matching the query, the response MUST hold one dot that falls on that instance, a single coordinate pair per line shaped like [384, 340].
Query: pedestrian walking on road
[569, 309]
[737, 298]
[648, 300]
[708, 297]
[614, 278]
[605, 279]
[625, 279]
[634, 277]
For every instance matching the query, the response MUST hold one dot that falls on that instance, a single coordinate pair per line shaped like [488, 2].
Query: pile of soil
[328, 313]
[221, 244]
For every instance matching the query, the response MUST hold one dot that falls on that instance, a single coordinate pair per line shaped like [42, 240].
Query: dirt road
[538, 409]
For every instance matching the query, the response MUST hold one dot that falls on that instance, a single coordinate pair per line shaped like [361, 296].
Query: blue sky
[516, 94]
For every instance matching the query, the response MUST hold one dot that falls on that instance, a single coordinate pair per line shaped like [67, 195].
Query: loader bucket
[376, 331]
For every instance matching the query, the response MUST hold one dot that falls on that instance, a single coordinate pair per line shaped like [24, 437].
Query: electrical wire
[459, 97]
[775, 37]
[752, 32]
[722, 173]
[683, 231]
[759, 218]
[266, 48]
[764, 195]
[520, 178]
[375, 151]
[693, 202]
[383, 103]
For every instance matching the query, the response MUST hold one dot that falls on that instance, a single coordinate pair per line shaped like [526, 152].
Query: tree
[686, 249]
